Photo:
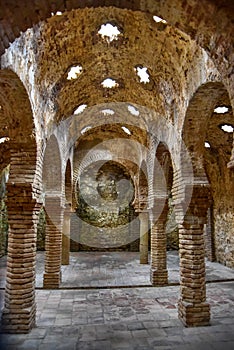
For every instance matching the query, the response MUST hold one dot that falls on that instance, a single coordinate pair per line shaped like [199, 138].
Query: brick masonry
[189, 61]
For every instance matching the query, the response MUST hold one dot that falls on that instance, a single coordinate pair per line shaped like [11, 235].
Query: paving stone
[11, 339]
[150, 324]
[98, 345]
[115, 331]
[157, 332]
[38, 333]
[88, 336]
[135, 326]
[170, 323]
[31, 344]
[229, 345]
[140, 333]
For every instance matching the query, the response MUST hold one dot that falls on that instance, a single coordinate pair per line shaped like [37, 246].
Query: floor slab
[112, 269]
[106, 302]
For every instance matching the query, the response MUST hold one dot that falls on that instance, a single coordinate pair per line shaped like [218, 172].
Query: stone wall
[3, 228]
[104, 209]
[3, 211]
[224, 237]
[41, 227]
[222, 185]
[172, 231]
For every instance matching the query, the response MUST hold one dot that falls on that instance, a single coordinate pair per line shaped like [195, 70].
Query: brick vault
[114, 117]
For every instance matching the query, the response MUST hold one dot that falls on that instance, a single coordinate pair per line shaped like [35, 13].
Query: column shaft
[158, 271]
[144, 237]
[53, 242]
[66, 236]
[19, 311]
[193, 309]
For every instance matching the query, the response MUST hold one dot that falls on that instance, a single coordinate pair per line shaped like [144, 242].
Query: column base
[193, 315]
[65, 248]
[18, 320]
[51, 280]
[158, 277]
[65, 260]
[144, 259]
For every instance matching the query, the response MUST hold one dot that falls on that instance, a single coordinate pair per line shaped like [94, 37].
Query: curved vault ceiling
[207, 21]
[73, 39]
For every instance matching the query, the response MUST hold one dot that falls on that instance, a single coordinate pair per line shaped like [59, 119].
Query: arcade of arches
[107, 135]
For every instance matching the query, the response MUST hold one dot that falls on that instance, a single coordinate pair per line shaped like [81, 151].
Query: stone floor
[122, 312]
[122, 269]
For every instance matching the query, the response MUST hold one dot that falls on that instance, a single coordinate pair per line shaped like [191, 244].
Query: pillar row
[53, 242]
[158, 271]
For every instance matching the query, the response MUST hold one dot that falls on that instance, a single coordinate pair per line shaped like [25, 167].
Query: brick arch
[54, 210]
[214, 161]
[16, 120]
[165, 134]
[52, 167]
[162, 185]
[191, 228]
[67, 214]
[196, 121]
[23, 202]
[192, 307]
[190, 17]
[164, 162]
[141, 200]
[68, 182]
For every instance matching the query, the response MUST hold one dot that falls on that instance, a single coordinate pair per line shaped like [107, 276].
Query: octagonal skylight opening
[126, 130]
[108, 111]
[80, 109]
[143, 74]
[221, 109]
[4, 139]
[227, 128]
[109, 32]
[74, 72]
[58, 13]
[207, 144]
[109, 83]
[159, 19]
[85, 129]
[133, 110]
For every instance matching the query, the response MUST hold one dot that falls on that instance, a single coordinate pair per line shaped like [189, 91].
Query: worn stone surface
[160, 142]
[41, 227]
[222, 185]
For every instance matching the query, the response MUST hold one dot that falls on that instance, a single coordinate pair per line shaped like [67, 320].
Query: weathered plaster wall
[177, 67]
[222, 184]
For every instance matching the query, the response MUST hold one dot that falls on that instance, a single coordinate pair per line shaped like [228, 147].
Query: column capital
[194, 211]
[160, 210]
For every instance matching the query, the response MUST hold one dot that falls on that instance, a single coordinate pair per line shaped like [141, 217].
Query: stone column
[158, 271]
[208, 235]
[66, 235]
[53, 241]
[144, 237]
[19, 313]
[20, 309]
[193, 308]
